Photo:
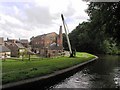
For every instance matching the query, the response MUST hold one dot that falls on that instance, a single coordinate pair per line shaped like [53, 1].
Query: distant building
[1, 41]
[24, 42]
[4, 51]
[15, 47]
[47, 44]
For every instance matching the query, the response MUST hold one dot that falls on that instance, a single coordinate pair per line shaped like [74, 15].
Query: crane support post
[68, 41]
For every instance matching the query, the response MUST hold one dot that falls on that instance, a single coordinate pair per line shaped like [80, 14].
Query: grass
[15, 70]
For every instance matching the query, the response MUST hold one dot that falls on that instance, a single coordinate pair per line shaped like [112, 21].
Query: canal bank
[47, 79]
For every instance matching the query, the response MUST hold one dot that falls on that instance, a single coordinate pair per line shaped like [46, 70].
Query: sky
[26, 18]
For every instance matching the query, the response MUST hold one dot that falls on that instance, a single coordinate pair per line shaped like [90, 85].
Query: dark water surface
[104, 73]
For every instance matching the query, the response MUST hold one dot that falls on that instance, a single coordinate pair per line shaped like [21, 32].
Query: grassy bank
[15, 70]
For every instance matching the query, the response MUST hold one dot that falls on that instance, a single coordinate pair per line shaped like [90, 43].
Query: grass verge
[15, 70]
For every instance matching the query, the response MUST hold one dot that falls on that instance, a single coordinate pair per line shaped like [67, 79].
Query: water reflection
[104, 73]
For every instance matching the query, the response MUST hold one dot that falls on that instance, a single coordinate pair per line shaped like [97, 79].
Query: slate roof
[24, 41]
[30, 52]
[9, 43]
[4, 49]
[43, 35]
[54, 46]
[19, 45]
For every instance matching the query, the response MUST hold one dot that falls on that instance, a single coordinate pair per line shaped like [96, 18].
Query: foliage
[100, 34]
[24, 54]
[65, 42]
[110, 46]
[14, 70]
[106, 15]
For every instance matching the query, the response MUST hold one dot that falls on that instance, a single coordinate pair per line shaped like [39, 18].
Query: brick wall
[42, 42]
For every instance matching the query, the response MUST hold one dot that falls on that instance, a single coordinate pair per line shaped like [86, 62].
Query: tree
[107, 15]
[65, 45]
[100, 31]
[23, 53]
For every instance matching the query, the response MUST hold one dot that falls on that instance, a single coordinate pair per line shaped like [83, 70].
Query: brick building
[47, 44]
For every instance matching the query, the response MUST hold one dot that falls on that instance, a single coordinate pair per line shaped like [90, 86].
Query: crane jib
[68, 41]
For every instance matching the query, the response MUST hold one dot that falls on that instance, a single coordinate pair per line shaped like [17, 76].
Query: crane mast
[68, 41]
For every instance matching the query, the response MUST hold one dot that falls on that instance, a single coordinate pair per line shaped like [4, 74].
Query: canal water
[103, 73]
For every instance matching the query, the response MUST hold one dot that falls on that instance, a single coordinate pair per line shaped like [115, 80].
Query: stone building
[15, 47]
[47, 44]
[4, 51]
[24, 42]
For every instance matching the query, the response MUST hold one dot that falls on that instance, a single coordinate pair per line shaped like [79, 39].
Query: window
[21, 50]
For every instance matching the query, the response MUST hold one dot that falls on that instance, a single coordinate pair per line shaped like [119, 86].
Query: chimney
[14, 41]
[7, 39]
[1, 41]
[60, 36]
[60, 31]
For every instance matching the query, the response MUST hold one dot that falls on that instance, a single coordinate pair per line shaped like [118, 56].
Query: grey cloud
[34, 17]
[11, 30]
[70, 11]
[39, 16]
[82, 17]
[7, 32]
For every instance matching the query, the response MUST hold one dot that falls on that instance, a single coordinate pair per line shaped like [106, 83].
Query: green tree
[100, 34]
[23, 53]
[107, 15]
[65, 45]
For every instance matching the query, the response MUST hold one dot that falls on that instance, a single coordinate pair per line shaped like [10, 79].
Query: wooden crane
[68, 41]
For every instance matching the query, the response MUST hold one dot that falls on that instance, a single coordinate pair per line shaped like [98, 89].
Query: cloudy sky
[27, 18]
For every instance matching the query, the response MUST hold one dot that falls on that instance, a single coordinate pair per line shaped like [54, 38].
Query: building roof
[45, 34]
[30, 52]
[19, 45]
[12, 40]
[4, 49]
[23, 41]
[9, 43]
[54, 46]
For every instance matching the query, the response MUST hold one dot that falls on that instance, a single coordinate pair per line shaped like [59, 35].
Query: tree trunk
[29, 57]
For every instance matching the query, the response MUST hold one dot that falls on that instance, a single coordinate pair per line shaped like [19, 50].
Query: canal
[103, 73]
